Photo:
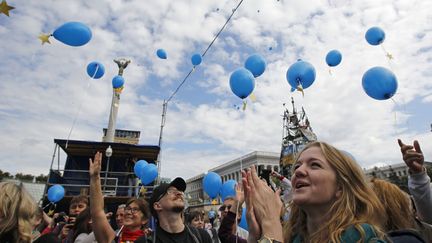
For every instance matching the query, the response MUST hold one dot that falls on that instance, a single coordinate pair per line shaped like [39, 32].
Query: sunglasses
[223, 207]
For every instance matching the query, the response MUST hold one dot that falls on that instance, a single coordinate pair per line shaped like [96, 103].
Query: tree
[429, 170]
[24, 177]
[5, 175]
[42, 178]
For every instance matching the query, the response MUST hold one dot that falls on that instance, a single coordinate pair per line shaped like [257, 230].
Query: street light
[108, 154]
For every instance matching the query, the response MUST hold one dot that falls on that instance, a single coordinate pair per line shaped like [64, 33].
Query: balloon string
[330, 72]
[388, 55]
[241, 169]
[47, 205]
[395, 114]
[80, 105]
[205, 52]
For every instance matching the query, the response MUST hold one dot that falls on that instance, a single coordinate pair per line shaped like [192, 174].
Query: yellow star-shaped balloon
[4, 8]
[44, 38]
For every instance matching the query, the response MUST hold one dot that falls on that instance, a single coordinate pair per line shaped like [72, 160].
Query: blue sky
[42, 87]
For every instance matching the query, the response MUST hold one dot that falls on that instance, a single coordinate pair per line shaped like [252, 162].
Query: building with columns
[264, 161]
[385, 172]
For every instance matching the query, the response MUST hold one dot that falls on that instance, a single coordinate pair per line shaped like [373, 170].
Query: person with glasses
[231, 212]
[167, 205]
[136, 216]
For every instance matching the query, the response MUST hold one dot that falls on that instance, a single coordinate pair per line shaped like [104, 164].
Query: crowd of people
[328, 199]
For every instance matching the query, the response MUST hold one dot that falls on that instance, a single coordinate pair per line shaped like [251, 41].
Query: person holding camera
[62, 223]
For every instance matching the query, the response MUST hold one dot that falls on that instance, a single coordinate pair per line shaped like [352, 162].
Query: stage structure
[297, 132]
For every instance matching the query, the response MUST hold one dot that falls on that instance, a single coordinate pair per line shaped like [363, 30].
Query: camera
[61, 218]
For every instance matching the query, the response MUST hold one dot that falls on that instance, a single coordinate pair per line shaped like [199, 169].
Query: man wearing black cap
[167, 205]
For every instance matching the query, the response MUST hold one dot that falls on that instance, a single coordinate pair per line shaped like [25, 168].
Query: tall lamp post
[108, 153]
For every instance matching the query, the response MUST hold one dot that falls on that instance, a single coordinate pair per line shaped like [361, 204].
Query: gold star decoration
[4, 8]
[300, 88]
[44, 38]
[389, 56]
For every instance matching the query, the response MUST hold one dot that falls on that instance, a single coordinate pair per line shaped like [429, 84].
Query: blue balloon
[302, 73]
[139, 167]
[117, 82]
[243, 222]
[161, 53]
[256, 64]
[242, 82]
[379, 83]
[228, 189]
[196, 59]
[149, 174]
[333, 58]
[95, 70]
[56, 193]
[73, 34]
[212, 183]
[375, 36]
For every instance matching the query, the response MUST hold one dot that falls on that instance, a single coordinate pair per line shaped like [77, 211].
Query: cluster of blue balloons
[145, 171]
[56, 193]
[73, 34]
[212, 184]
[242, 80]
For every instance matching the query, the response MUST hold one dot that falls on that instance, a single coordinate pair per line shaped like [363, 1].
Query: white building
[230, 171]
[384, 172]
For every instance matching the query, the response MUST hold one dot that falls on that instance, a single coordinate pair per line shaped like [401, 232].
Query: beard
[178, 208]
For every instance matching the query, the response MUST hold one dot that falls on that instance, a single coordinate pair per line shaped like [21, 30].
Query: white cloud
[42, 87]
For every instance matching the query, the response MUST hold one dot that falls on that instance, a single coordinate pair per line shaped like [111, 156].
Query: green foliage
[42, 178]
[429, 170]
[5, 175]
[23, 177]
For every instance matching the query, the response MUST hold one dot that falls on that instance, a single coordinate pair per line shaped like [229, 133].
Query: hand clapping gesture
[266, 205]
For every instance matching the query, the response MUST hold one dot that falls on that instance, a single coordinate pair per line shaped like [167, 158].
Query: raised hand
[95, 165]
[240, 194]
[412, 156]
[253, 225]
[266, 204]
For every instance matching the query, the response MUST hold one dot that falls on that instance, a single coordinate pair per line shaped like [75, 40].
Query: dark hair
[189, 216]
[82, 224]
[79, 199]
[143, 206]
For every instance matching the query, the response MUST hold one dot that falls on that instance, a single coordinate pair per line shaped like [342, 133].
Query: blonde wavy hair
[17, 210]
[357, 204]
[397, 204]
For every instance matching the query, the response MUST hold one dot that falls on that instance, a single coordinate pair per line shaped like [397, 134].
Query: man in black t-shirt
[167, 206]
